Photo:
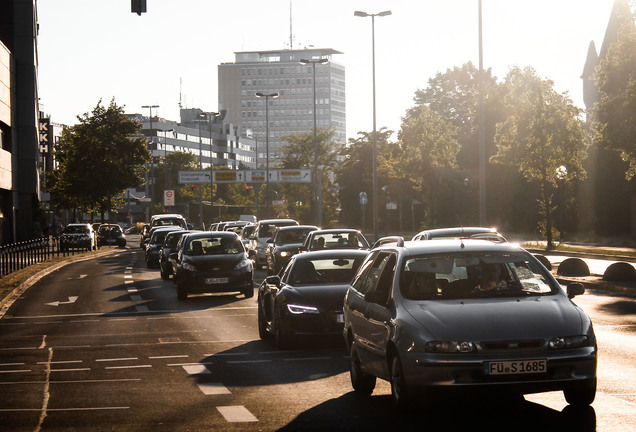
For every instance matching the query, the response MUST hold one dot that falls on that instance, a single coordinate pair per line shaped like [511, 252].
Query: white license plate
[339, 318]
[212, 281]
[516, 367]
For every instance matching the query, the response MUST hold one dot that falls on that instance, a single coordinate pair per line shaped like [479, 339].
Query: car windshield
[214, 245]
[109, 230]
[337, 241]
[333, 270]
[76, 230]
[292, 236]
[473, 276]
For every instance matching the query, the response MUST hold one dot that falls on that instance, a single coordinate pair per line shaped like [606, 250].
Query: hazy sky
[95, 49]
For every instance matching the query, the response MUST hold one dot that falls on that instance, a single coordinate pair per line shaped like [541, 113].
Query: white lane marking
[133, 290]
[236, 414]
[128, 367]
[128, 271]
[169, 356]
[142, 308]
[69, 381]
[71, 299]
[248, 361]
[117, 359]
[64, 409]
[71, 370]
[135, 298]
[12, 364]
[213, 389]
[187, 364]
[196, 369]
[129, 282]
[15, 371]
[122, 319]
[127, 277]
[160, 317]
[61, 362]
[129, 268]
[83, 276]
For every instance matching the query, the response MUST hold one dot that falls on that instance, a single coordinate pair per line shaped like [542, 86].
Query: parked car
[153, 248]
[466, 314]
[78, 236]
[286, 242]
[262, 233]
[460, 232]
[307, 297]
[337, 238]
[110, 235]
[210, 262]
[169, 245]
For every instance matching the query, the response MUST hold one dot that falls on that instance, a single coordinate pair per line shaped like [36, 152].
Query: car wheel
[580, 395]
[165, 275]
[398, 384]
[281, 337]
[262, 324]
[362, 382]
[182, 293]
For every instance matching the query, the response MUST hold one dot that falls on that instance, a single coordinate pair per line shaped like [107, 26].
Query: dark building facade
[19, 121]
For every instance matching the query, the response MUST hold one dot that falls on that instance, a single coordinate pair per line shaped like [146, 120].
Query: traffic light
[138, 6]
[248, 187]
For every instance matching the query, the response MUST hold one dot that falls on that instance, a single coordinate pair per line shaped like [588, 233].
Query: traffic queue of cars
[451, 309]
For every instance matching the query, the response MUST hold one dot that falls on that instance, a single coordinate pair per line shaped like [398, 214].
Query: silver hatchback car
[466, 314]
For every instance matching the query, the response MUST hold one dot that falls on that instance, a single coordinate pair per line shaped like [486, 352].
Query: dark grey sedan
[466, 314]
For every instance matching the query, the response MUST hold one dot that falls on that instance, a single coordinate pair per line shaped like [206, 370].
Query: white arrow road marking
[57, 303]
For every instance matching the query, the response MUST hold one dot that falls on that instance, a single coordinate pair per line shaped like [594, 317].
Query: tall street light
[317, 177]
[152, 165]
[482, 130]
[375, 151]
[267, 96]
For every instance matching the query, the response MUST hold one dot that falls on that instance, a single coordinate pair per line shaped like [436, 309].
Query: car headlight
[299, 309]
[450, 347]
[188, 267]
[283, 254]
[565, 342]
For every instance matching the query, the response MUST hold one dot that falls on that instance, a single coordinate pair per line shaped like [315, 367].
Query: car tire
[361, 382]
[399, 391]
[580, 395]
[282, 338]
[182, 293]
[262, 324]
[164, 275]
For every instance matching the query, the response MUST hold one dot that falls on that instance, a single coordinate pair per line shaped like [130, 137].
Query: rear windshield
[214, 245]
[324, 270]
[76, 230]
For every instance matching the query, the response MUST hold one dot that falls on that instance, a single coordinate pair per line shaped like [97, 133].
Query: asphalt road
[104, 344]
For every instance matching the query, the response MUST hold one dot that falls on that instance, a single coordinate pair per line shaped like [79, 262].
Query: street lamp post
[267, 96]
[375, 151]
[152, 164]
[317, 177]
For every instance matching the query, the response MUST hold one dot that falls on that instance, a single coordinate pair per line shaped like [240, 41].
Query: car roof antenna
[461, 238]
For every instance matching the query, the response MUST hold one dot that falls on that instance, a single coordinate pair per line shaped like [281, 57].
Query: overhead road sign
[194, 177]
[232, 176]
[294, 176]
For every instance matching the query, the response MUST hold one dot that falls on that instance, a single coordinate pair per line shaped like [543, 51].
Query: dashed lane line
[234, 414]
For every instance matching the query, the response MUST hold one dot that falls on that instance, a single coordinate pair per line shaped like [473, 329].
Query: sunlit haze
[93, 49]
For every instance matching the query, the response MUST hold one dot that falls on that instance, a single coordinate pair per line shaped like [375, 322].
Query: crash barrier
[17, 256]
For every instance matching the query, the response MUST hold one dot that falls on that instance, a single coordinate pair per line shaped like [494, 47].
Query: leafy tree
[354, 174]
[542, 133]
[426, 159]
[98, 159]
[298, 153]
[615, 112]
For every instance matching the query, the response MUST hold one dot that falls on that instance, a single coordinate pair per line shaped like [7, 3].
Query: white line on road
[71, 370]
[15, 371]
[61, 362]
[11, 364]
[169, 356]
[91, 381]
[213, 388]
[236, 414]
[117, 359]
[128, 367]
[196, 369]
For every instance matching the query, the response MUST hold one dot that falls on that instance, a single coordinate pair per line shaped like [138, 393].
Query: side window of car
[360, 280]
[386, 270]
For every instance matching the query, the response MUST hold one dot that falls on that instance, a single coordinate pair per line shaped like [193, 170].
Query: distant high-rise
[292, 112]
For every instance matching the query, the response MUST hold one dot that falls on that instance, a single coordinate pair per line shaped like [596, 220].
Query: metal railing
[17, 256]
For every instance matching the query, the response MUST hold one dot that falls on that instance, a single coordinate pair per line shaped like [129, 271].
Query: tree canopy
[97, 160]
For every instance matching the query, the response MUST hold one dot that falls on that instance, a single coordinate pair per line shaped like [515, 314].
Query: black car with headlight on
[306, 298]
[466, 314]
[286, 242]
[212, 262]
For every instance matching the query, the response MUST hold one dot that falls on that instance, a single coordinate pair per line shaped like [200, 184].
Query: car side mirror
[375, 297]
[273, 280]
[575, 289]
